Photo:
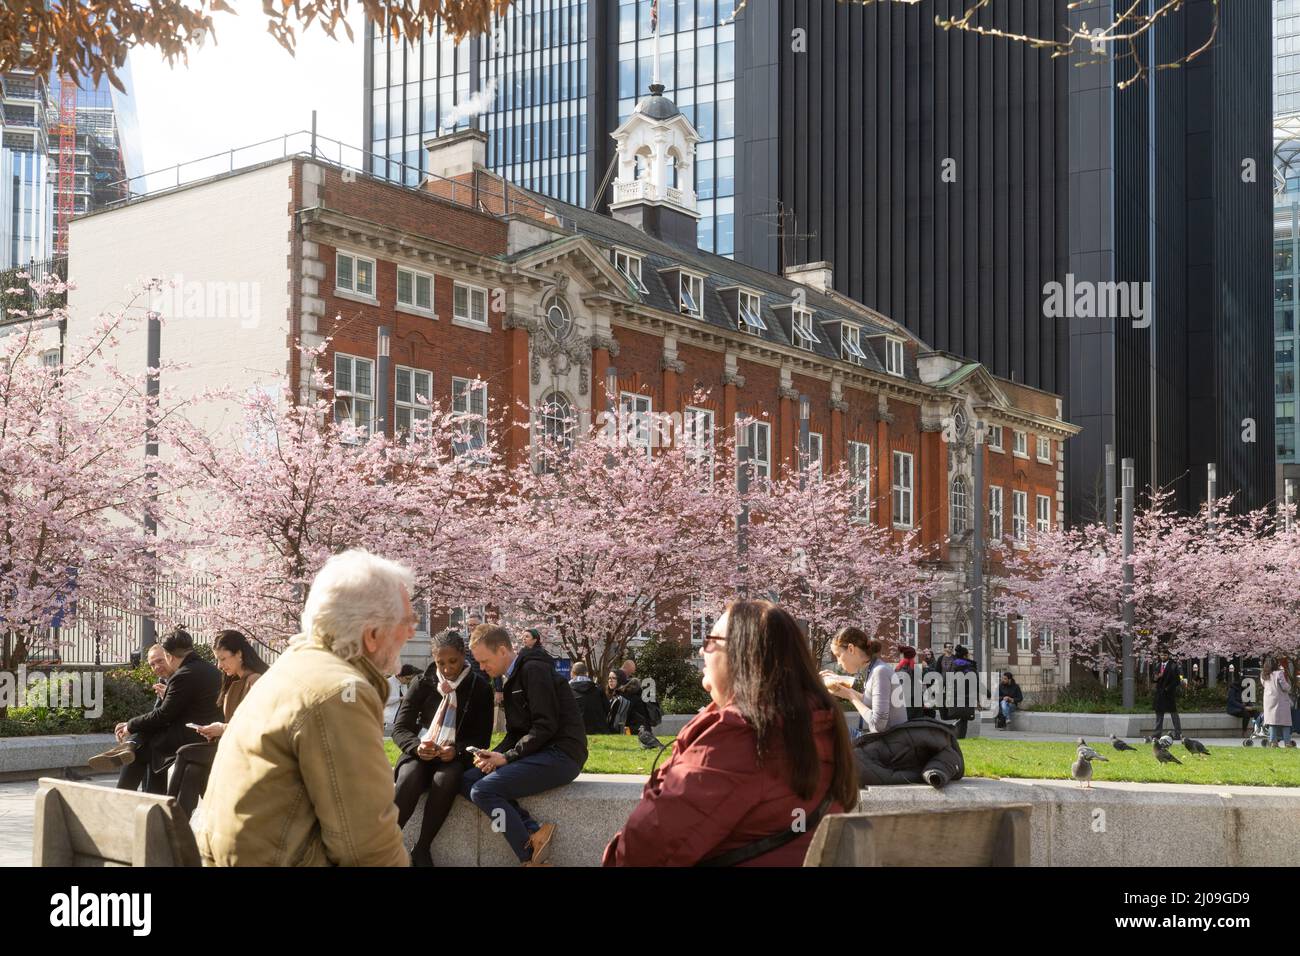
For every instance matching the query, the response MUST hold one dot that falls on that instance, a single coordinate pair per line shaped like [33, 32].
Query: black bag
[656, 713]
[743, 854]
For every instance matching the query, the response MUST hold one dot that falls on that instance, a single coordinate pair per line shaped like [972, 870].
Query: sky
[245, 88]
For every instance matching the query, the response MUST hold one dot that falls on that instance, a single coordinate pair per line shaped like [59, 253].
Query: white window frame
[413, 305]
[629, 263]
[468, 320]
[895, 360]
[902, 486]
[959, 510]
[697, 436]
[761, 465]
[749, 312]
[907, 616]
[1020, 517]
[1043, 514]
[851, 344]
[1041, 442]
[1019, 443]
[51, 358]
[690, 289]
[638, 419]
[815, 454]
[802, 333]
[1046, 641]
[555, 427]
[351, 290]
[350, 395]
[998, 635]
[463, 399]
[996, 512]
[1023, 636]
[859, 461]
[995, 438]
[415, 411]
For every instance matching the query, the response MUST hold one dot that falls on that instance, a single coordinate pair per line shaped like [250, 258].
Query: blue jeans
[1279, 731]
[1008, 708]
[497, 793]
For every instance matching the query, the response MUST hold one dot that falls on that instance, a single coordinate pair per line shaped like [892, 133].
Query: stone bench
[33, 756]
[1112, 824]
[1101, 726]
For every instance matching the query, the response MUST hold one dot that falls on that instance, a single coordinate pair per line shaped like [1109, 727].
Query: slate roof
[719, 273]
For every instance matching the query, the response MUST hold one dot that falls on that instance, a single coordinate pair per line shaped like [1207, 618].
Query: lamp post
[742, 486]
[805, 410]
[1110, 529]
[1129, 691]
[383, 364]
[153, 346]
[1289, 500]
[977, 550]
[1211, 493]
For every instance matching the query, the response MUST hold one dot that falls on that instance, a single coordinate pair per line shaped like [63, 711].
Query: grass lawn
[607, 753]
[987, 757]
[1243, 766]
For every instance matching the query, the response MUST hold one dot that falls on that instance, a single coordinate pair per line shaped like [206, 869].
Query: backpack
[618, 715]
[656, 713]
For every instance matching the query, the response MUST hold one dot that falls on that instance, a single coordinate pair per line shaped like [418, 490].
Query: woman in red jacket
[752, 775]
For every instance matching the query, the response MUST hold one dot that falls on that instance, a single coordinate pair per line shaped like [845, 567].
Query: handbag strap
[749, 851]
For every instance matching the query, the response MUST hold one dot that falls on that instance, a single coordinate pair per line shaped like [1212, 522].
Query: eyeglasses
[710, 642]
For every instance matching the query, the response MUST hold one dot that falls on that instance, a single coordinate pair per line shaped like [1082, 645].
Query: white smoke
[476, 104]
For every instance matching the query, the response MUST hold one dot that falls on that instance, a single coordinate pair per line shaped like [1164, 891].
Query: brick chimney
[458, 153]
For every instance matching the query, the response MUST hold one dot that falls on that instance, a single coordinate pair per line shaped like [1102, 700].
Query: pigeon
[71, 773]
[1119, 744]
[1166, 741]
[1081, 769]
[648, 740]
[1146, 740]
[1163, 754]
[1195, 746]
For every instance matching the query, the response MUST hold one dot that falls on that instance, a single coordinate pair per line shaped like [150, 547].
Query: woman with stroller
[1277, 703]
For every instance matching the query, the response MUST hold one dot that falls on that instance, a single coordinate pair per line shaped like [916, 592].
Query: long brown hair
[776, 688]
[234, 642]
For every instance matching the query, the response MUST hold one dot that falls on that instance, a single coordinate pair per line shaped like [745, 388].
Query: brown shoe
[113, 758]
[541, 843]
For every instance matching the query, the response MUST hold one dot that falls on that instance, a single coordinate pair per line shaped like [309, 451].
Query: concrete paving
[17, 810]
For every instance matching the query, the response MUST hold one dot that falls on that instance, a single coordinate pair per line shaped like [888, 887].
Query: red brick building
[470, 278]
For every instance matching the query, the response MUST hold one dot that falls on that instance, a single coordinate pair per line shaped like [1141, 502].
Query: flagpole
[654, 30]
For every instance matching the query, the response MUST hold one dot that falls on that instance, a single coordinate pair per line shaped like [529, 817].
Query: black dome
[657, 106]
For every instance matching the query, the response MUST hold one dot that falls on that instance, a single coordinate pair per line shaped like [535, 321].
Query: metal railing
[492, 195]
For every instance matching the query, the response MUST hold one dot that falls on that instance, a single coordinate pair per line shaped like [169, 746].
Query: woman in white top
[881, 701]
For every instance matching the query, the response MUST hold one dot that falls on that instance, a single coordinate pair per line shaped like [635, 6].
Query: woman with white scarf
[452, 705]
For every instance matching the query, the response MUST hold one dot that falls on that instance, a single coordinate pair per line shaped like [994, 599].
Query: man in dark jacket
[545, 744]
[148, 743]
[961, 692]
[591, 700]
[1168, 681]
[1009, 698]
[920, 751]
[426, 767]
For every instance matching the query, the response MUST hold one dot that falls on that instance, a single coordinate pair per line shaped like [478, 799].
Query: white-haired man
[301, 778]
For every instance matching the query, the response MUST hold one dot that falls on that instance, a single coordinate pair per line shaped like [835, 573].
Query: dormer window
[894, 356]
[851, 345]
[802, 325]
[630, 266]
[691, 294]
[749, 310]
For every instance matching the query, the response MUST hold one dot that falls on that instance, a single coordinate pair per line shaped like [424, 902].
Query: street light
[1211, 494]
[742, 487]
[805, 410]
[1126, 645]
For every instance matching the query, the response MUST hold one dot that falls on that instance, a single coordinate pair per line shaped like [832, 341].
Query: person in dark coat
[927, 666]
[922, 750]
[545, 744]
[637, 715]
[148, 742]
[592, 703]
[1009, 698]
[1237, 707]
[961, 693]
[1168, 681]
[426, 767]
[907, 672]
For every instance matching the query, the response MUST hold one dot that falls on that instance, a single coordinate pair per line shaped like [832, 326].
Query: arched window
[558, 319]
[642, 163]
[556, 428]
[671, 169]
[959, 505]
[961, 630]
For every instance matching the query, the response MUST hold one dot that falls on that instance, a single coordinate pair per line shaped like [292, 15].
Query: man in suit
[1168, 680]
[148, 742]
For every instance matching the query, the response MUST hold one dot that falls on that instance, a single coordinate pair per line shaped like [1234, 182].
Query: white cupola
[656, 158]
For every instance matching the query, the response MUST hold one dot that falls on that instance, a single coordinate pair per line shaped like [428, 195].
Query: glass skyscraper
[1286, 221]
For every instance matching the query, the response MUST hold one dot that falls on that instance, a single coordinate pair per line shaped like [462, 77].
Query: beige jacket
[301, 777]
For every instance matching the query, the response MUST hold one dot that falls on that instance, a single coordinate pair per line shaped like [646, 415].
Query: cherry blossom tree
[74, 481]
[273, 500]
[829, 564]
[602, 541]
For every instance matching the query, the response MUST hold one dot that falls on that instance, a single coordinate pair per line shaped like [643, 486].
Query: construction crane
[66, 183]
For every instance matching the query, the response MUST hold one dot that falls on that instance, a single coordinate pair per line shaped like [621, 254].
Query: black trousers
[1160, 721]
[140, 770]
[440, 780]
[190, 778]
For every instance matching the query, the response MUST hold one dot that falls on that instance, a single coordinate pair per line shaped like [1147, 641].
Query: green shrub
[669, 664]
[127, 693]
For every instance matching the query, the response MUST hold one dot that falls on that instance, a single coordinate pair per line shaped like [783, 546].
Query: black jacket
[638, 715]
[960, 690]
[191, 698]
[903, 753]
[1167, 686]
[540, 710]
[592, 704]
[473, 713]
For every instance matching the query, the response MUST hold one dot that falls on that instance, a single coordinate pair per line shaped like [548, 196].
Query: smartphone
[474, 750]
[194, 726]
